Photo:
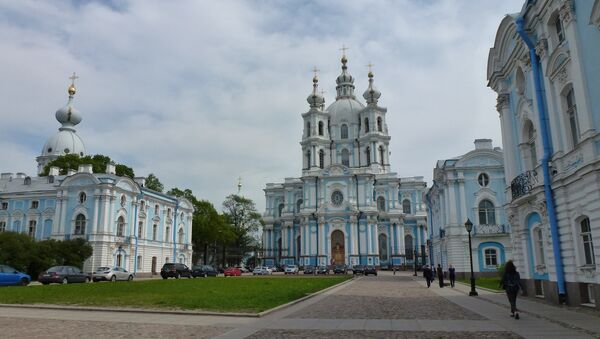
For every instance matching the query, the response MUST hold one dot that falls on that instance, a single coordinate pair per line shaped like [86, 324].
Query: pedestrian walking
[427, 274]
[394, 268]
[452, 275]
[440, 275]
[511, 283]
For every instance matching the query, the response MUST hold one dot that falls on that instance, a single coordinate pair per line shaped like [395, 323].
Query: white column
[463, 201]
[94, 223]
[452, 201]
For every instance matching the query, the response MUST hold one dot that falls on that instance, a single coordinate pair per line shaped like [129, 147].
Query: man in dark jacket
[440, 274]
[428, 274]
[452, 275]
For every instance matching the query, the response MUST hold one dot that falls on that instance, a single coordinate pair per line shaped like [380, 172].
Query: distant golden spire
[72, 90]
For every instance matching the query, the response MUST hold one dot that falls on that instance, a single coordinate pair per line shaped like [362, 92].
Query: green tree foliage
[245, 221]
[33, 257]
[153, 183]
[72, 161]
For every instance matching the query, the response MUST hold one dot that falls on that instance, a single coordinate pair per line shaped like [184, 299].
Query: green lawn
[211, 294]
[491, 283]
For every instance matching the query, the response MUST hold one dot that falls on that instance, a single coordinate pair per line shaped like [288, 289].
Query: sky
[203, 92]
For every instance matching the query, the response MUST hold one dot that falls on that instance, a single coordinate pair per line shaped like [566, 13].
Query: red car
[232, 272]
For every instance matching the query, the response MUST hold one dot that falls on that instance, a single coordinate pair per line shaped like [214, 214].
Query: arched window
[381, 154]
[120, 226]
[560, 33]
[408, 246]
[572, 114]
[142, 206]
[366, 125]
[344, 131]
[381, 203]
[379, 125]
[156, 209]
[491, 257]
[520, 81]
[538, 243]
[308, 129]
[487, 213]
[406, 206]
[139, 263]
[321, 159]
[345, 157]
[79, 224]
[168, 212]
[530, 136]
[167, 233]
[154, 230]
[320, 127]
[82, 197]
[307, 159]
[180, 236]
[32, 228]
[383, 247]
[123, 200]
[140, 232]
[299, 205]
[586, 242]
[280, 210]
[368, 155]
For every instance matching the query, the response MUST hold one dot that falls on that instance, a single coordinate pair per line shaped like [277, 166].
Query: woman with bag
[511, 283]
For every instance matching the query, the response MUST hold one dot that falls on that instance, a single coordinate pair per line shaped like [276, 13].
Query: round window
[337, 198]
[67, 150]
[483, 180]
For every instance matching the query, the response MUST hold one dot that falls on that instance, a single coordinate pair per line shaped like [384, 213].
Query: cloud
[200, 93]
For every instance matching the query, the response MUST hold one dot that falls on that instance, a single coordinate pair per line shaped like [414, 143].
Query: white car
[291, 269]
[261, 270]
[111, 274]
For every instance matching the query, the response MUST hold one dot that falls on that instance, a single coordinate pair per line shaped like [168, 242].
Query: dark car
[63, 275]
[370, 269]
[175, 270]
[323, 270]
[10, 276]
[204, 271]
[340, 269]
[309, 269]
[358, 269]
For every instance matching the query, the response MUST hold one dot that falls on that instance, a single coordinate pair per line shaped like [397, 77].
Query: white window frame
[586, 241]
[496, 256]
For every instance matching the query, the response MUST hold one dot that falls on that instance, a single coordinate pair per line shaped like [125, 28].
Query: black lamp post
[469, 227]
[314, 216]
[416, 256]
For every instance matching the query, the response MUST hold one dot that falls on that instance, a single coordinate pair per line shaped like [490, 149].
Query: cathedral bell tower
[315, 138]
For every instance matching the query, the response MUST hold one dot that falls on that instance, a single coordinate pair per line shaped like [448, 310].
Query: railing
[489, 229]
[523, 184]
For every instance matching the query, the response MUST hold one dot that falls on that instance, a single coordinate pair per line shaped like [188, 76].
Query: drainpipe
[135, 232]
[174, 231]
[358, 217]
[430, 222]
[544, 127]
[317, 217]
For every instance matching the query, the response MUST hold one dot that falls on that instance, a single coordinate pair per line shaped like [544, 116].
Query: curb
[174, 312]
[293, 302]
[479, 287]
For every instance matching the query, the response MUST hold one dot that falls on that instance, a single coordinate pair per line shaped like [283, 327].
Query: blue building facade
[544, 67]
[470, 186]
[347, 207]
[126, 224]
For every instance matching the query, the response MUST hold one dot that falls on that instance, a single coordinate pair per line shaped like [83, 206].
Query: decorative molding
[562, 76]
[567, 12]
[502, 101]
[525, 62]
[541, 48]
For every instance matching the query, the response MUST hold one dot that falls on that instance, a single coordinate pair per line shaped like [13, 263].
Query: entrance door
[338, 253]
[153, 265]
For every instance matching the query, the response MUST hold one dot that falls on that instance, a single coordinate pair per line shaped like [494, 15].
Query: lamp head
[469, 225]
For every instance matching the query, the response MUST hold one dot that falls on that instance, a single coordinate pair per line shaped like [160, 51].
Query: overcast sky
[203, 92]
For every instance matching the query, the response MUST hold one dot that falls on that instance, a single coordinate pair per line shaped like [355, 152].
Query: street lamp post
[416, 256]
[469, 227]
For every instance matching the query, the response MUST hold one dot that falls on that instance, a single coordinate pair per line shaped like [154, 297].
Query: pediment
[80, 179]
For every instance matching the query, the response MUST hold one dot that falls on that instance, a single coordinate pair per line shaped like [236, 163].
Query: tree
[16, 250]
[72, 161]
[153, 183]
[241, 214]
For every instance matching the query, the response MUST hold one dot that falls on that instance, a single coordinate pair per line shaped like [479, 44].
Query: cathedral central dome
[344, 110]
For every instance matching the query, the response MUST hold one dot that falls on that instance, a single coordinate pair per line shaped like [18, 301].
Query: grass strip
[250, 295]
[490, 283]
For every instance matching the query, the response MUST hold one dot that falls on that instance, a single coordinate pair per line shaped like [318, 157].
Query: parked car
[63, 275]
[243, 269]
[111, 274]
[358, 269]
[175, 270]
[309, 269]
[340, 269]
[370, 269]
[291, 269]
[204, 271]
[10, 276]
[232, 272]
[261, 270]
[323, 270]
[278, 268]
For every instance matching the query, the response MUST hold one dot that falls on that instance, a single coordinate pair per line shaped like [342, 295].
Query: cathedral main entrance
[338, 253]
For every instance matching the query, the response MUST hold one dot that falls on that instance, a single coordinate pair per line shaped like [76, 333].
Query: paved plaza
[386, 306]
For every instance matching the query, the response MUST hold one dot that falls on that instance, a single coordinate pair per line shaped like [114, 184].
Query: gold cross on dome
[315, 70]
[370, 65]
[73, 78]
[344, 49]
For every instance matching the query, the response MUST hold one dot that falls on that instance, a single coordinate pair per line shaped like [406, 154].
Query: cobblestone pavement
[386, 297]
[47, 328]
[323, 334]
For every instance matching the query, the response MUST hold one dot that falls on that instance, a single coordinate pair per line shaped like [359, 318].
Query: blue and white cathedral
[348, 207]
[127, 224]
